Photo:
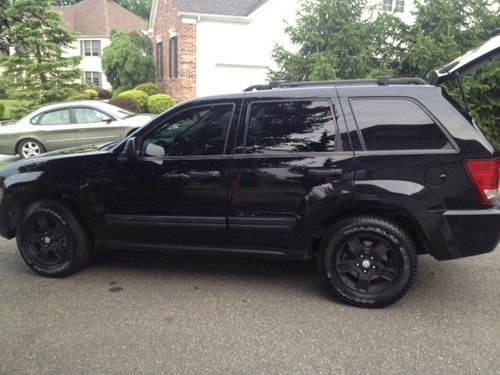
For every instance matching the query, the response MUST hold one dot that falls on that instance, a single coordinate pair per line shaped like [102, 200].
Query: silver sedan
[68, 124]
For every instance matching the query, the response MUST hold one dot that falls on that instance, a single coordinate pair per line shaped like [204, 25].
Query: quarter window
[198, 131]
[291, 126]
[59, 117]
[397, 124]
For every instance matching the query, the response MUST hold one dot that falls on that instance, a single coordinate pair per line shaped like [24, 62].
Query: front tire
[51, 239]
[368, 261]
[29, 148]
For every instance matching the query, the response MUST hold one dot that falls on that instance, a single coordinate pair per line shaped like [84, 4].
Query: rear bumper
[460, 233]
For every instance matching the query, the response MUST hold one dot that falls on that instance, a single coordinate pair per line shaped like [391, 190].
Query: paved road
[148, 313]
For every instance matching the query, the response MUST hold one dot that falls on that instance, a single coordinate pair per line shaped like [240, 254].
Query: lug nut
[357, 264]
[374, 267]
[364, 271]
[361, 256]
[371, 258]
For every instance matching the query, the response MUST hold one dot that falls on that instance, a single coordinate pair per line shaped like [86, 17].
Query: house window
[174, 57]
[91, 47]
[93, 78]
[159, 60]
[393, 5]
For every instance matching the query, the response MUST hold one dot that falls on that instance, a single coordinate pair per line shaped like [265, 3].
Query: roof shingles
[220, 7]
[99, 17]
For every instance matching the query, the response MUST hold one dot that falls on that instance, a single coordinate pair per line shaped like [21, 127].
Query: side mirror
[130, 150]
[106, 119]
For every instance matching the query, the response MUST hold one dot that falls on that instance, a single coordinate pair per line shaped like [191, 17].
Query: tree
[128, 60]
[38, 70]
[340, 39]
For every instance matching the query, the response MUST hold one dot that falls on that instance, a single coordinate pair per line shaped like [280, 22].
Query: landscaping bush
[140, 96]
[160, 103]
[92, 94]
[78, 96]
[126, 102]
[2, 110]
[121, 89]
[104, 94]
[149, 88]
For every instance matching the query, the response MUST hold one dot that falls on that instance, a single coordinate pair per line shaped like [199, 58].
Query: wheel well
[395, 214]
[24, 200]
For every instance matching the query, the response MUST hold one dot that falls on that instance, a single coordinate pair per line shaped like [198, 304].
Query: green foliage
[140, 96]
[128, 62]
[77, 96]
[121, 89]
[126, 102]
[22, 108]
[2, 110]
[105, 94]
[149, 88]
[38, 72]
[335, 41]
[159, 103]
[92, 94]
[4, 84]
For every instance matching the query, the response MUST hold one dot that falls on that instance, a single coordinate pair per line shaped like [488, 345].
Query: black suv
[363, 175]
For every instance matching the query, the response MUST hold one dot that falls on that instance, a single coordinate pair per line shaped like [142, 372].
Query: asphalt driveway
[149, 313]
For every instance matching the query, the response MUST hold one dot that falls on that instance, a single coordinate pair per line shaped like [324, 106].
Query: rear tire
[368, 261]
[51, 239]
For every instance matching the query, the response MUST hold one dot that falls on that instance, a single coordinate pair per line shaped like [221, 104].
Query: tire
[368, 261]
[28, 148]
[51, 239]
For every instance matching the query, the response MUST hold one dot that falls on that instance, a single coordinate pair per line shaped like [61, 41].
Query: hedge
[149, 88]
[121, 89]
[104, 94]
[92, 94]
[138, 95]
[160, 103]
[126, 102]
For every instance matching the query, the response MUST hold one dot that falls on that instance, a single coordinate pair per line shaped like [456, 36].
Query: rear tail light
[485, 175]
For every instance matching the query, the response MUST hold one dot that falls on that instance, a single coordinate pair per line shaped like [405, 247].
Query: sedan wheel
[30, 148]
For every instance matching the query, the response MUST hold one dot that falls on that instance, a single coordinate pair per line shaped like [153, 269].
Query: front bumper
[5, 229]
[460, 233]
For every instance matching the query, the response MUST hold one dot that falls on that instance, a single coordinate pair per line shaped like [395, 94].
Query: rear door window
[291, 126]
[58, 117]
[397, 124]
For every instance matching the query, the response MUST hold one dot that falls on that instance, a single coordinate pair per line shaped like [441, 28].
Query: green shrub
[160, 103]
[126, 102]
[104, 94]
[119, 90]
[78, 96]
[2, 110]
[92, 94]
[149, 88]
[138, 95]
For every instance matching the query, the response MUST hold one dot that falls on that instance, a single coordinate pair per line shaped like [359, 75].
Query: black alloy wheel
[368, 261]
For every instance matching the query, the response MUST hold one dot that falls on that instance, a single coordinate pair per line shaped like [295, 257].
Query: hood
[472, 60]
[75, 150]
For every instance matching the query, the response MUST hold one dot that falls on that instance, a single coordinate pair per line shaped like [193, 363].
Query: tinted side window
[60, 117]
[397, 124]
[292, 126]
[197, 131]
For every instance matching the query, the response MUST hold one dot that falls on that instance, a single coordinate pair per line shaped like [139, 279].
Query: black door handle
[326, 172]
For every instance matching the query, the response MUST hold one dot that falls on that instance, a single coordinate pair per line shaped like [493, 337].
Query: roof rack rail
[381, 81]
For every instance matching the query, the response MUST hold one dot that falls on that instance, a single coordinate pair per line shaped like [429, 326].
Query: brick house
[92, 21]
[208, 47]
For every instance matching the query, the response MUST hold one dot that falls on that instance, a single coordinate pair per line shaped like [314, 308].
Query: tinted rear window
[397, 124]
[291, 126]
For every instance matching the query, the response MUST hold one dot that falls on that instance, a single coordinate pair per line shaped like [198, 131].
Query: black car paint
[276, 205]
